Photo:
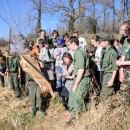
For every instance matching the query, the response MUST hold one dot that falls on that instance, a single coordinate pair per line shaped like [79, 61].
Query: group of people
[75, 63]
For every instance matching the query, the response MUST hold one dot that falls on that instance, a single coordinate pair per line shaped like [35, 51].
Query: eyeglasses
[68, 44]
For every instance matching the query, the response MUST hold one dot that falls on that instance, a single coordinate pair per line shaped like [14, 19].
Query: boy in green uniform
[13, 67]
[79, 93]
[108, 66]
[23, 40]
[125, 67]
[91, 51]
[34, 93]
[93, 68]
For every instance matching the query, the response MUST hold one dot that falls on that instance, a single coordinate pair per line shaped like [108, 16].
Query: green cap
[107, 36]
[90, 48]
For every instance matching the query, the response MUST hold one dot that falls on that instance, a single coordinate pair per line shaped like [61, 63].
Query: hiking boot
[43, 112]
[70, 122]
[18, 99]
[33, 112]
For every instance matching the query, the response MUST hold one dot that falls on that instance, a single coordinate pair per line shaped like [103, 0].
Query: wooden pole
[10, 35]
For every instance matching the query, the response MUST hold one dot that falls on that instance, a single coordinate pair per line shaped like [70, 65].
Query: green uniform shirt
[13, 64]
[25, 42]
[108, 59]
[28, 77]
[125, 48]
[81, 61]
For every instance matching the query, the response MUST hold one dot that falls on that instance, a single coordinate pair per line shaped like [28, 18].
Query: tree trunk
[71, 24]
[113, 22]
[121, 11]
[38, 25]
[104, 18]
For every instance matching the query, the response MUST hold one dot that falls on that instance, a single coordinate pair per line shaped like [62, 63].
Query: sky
[15, 14]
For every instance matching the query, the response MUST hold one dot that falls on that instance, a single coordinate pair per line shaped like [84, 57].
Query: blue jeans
[60, 80]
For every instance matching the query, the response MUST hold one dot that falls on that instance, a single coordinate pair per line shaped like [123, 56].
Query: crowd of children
[74, 61]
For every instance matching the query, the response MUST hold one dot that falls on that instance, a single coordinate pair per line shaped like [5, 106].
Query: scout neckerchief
[127, 56]
[11, 63]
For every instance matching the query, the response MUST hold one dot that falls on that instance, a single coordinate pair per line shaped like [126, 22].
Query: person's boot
[43, 112]
[33, 112]
[70, 122]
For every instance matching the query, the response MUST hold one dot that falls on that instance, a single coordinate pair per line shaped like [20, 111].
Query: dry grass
[89, 36]
[111, 115]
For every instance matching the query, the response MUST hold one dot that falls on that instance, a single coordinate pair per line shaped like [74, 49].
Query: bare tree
[68, 9]
[38, 7]
[92, 18]
[127, 8]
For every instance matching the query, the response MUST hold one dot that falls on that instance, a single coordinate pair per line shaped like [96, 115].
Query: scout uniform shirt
[13, 64]
[108, 59]
[125, 86]
[81, 61]
[108, 65]
[125, 47]
[77, 99]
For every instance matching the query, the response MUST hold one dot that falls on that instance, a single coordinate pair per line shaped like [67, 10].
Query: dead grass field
[114, 114]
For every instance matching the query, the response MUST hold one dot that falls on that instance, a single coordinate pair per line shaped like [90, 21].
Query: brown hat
[90, 48]
[106, 36]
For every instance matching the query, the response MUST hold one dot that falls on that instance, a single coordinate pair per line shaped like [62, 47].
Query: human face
[43, 34]
[55, 35]
[41, 45]
[116, 43]
[122, 30]
[60, 46]
[66, 60]
[90, 53]
[66, 38]
[104, 44]
[94, 43]
[70, 46]
[20, 37]
[75, 34]
[46, 45]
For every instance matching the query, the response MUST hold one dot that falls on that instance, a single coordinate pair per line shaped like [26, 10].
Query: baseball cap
[60, 41]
